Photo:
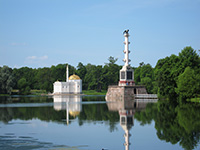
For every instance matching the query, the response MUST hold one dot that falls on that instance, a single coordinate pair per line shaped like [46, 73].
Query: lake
[91, 123]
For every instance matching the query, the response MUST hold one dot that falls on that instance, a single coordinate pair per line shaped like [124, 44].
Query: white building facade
[73, 85]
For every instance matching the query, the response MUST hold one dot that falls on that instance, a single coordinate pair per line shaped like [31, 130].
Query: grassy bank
[38, 92]
[93, 92]
[4, 95]
[43, 92]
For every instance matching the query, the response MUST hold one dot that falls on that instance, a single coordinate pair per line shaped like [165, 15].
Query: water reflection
[172, 123]
[72, 104]
[127, 109]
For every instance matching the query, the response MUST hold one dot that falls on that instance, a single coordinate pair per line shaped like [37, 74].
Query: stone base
[121, 93]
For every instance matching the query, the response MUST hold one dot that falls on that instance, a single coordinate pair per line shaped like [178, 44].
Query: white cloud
[37, 58]
[18, 44]
[43, 57]
[31, 58]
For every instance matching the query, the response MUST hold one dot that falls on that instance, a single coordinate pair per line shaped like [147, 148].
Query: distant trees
[23, 86]
[144, 75]
[171, 77]
[24, 79]
[99, 77]
[6, 80]
[188, 84]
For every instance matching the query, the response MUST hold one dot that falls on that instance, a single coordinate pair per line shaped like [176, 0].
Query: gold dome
[74, 113]
[74, 77]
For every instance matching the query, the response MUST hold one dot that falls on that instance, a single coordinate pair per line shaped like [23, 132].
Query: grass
[93, 92]
[32, 92]
[42, 92]
[4, 95]
[38, 92]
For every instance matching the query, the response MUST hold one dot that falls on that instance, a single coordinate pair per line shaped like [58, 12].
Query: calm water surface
[91, 123]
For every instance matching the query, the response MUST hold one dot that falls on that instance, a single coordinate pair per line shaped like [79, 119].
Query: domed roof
[74, 77]
[74, 113]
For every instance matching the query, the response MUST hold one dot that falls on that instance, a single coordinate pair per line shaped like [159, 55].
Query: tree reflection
[174, 123]
[88, 113]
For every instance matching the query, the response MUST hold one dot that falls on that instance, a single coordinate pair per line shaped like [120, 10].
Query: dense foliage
[172, 76]
[6, 80]
[179, 75]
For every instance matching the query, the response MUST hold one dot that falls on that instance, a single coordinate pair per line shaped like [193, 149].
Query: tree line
[173, 75]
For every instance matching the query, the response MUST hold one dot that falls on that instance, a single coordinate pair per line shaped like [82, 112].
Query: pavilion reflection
[70, 103]
[127, 109]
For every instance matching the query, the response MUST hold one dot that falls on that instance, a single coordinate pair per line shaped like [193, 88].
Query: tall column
[126, 49]
[67, 74]
[126, 136]
[126, 73]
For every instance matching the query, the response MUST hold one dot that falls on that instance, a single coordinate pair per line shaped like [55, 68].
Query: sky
[42, 33]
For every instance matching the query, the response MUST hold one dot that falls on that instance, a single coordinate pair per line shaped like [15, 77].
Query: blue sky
[41, 33]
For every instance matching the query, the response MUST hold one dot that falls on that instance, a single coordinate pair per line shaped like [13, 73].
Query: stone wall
[119, 93]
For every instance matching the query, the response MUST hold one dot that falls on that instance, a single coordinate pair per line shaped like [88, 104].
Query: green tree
[188, 84]
[167, 70]
[89, 76]
[144, 75]
[6, 80]
[27, 73]
[44, 79]
[81, 71]
[111, 72]
[23, 86]
[94, 77]
[111, 60]
[147, 81]
[189, 58]
[165, 73]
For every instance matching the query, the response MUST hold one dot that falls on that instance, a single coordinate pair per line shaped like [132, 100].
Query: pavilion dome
[74, 77]
[74, 113]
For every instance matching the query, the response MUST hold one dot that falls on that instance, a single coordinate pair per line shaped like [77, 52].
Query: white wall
[73, 86]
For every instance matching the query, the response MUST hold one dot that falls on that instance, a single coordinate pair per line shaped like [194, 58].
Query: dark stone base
[119, 93]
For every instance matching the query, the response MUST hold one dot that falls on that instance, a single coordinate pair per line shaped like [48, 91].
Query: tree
[147, 81]
[111, 60]
[189, 58]
[81, 71]
[94, 77]
[27, 73]
[111, 72]
[23, 86]
[146, 71]
[188, 84]
[144, 75]
[6, 80]
[167, 70]
[44, 79]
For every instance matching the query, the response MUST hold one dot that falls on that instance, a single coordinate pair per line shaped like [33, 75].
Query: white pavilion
[73, 85]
